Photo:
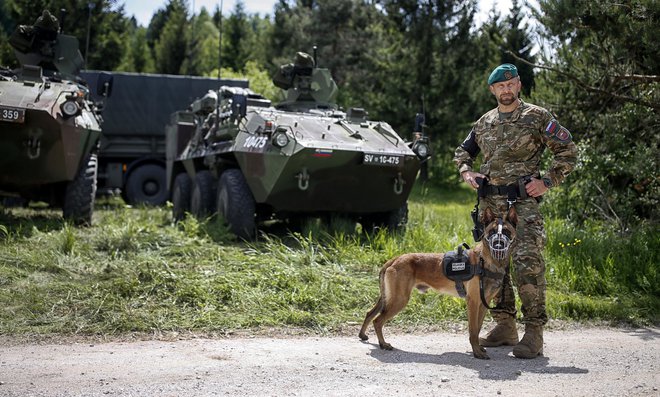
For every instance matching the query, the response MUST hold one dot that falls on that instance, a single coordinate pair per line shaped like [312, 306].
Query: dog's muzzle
[499, 244]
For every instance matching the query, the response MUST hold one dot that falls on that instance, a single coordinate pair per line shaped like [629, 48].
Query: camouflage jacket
[513, 148]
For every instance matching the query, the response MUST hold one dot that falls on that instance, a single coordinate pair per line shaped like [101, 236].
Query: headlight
[421, 149]
[280, 139]
[69, 108]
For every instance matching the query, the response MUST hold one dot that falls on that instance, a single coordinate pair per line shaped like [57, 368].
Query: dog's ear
[487, 216]
[512, 216]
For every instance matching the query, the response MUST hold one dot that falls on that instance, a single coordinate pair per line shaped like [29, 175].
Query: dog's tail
[380, 305]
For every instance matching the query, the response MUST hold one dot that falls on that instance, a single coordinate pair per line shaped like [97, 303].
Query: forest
[594, 64]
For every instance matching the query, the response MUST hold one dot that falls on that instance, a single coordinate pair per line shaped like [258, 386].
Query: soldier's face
[506, 92]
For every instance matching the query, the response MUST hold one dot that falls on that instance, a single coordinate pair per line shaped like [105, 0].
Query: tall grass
[135, 271]
[619, 273]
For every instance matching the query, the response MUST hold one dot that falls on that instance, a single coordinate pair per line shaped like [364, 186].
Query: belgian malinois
[400, 275]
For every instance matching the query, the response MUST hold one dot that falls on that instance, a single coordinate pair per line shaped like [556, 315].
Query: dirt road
[577, 362]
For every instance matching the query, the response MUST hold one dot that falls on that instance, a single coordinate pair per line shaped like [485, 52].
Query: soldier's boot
[504, 333]
[531, 344]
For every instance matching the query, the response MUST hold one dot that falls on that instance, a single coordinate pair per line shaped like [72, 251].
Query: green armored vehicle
[235, 154]
[49, 127]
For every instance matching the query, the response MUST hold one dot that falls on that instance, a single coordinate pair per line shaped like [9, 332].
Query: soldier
[512, 138]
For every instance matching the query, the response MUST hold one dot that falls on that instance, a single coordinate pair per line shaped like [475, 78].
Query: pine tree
[517, 40]
[236, 34]
[603, 81]
[170, 47]
[137, 55]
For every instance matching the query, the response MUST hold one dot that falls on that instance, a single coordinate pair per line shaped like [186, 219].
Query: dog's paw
[482, 355]
[386, 346]
[363, 336]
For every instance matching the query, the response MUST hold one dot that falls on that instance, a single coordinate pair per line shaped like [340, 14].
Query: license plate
[383, 159]
[12, 115]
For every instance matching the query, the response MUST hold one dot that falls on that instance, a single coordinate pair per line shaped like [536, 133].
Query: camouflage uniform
[512, 148]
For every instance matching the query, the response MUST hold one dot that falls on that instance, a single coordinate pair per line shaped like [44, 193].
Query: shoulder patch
[551, 128]
[563, 135]
[557, 132]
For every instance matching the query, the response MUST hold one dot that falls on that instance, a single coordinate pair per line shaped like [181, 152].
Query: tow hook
[303, 179]
[398, 184]
[33, 145]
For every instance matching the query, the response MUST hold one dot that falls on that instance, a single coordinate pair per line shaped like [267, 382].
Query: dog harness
[457, 267]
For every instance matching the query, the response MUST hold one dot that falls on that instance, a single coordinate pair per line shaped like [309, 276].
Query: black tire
[236, 204]
[146, 185]
[395, 221]
[202, 200]
[398, 219]
[181, 194]
[80, 193]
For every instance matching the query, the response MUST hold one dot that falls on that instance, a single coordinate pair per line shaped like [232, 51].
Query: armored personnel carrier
[234, 153]
[50, 128]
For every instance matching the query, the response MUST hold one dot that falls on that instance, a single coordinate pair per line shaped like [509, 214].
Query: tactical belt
[511, 191]
[494, 190]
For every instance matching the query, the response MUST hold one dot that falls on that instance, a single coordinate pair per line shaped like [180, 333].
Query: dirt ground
[578, 361]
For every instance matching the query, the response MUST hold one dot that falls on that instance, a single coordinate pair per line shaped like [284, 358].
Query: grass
[134, 271]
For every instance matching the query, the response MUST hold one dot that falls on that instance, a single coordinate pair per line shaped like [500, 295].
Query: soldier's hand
[470, 178]
[536, 188]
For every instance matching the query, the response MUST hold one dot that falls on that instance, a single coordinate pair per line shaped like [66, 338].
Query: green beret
[504, 72]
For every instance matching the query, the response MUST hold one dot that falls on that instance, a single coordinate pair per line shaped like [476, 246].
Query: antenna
[220, 42]
[89, 27]
[217, 102]
[62, 16]
[316, 63]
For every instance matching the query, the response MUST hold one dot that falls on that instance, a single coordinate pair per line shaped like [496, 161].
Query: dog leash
[483, 272]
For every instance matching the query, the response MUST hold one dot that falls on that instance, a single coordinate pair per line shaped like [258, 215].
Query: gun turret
[307, 86]
[42, 44]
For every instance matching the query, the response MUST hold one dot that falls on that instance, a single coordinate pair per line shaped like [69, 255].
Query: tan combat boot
[504, 333]
[531, 344]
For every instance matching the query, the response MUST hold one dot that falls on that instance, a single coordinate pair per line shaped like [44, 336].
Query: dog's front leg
[476, 313]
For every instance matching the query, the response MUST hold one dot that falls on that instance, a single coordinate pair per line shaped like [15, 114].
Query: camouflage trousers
[528, 270]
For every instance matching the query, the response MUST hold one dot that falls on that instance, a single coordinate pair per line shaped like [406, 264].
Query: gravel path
[577, 362]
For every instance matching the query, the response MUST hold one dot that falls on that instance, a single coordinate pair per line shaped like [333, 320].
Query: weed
[68, 239]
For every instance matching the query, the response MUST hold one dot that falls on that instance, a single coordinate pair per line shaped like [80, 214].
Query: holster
[522, 182]
[478, 229]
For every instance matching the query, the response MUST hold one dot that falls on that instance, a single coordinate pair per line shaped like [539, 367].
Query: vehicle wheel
[79, 195]
[13, 202]
[146, 185]
[398, 219]
[181, 192]
[395, 221]
[236, 204]
[202, 200]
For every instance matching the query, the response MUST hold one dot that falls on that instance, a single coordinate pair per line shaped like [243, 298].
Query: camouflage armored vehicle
[235, 154]
[50, 128]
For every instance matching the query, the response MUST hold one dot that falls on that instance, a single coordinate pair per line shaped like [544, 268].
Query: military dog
[400, 275]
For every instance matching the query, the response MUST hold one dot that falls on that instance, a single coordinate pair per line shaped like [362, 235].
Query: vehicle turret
[307, 86]
[42, 45]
